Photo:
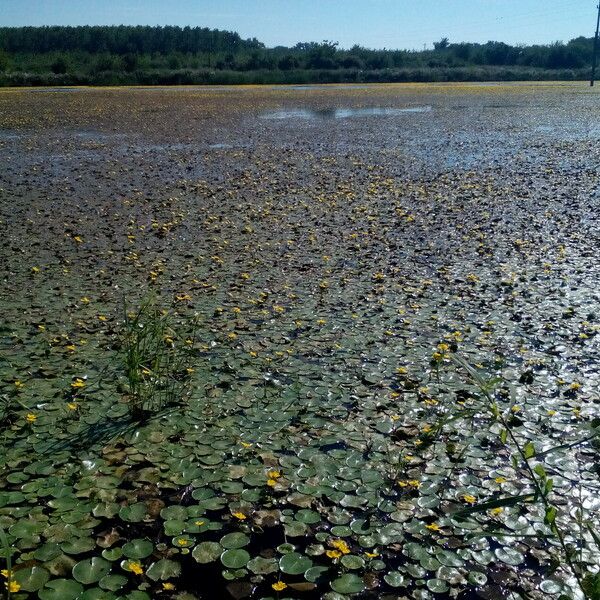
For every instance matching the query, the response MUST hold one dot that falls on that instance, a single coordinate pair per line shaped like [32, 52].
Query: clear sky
[371, 23]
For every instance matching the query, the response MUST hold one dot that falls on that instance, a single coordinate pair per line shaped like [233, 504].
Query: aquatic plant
[158, 359]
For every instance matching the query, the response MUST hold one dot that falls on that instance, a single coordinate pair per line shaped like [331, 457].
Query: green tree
[60, 65]
[442, 44]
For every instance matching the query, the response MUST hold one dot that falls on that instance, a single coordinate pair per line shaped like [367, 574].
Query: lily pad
[438, 586]
[32, 578]
[394, 579]
[133, 513]
[510, 556]
[61, 589]
[234, 540]
[138, 548]
[294, 563]
[91, 570]
[235, 558]
[163, 569]
[348, 584]
[207, 552]
[262, 566]
[316, 574]
[113, 583]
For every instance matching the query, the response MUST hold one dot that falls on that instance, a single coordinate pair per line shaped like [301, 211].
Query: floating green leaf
[138, 548]
[294, 563]
[235, 559]
[163, 569]
[348, 584]
[91, 570]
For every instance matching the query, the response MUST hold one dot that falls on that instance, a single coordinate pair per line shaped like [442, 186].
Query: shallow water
[341, 113]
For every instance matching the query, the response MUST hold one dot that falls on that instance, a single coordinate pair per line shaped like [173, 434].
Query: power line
[595, 58]
[487, 27]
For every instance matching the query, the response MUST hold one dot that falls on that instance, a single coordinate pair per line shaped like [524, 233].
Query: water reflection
[341, 113]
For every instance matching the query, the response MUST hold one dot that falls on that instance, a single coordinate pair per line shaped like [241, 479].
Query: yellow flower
[496, 511]
[371, 554]
[13, 587]
[232, 335]
[414, 483]
[19, 385]
[198, 523]
[333, 553]
[35, 269]
[500, 480]
[443, 347]
[31, 418]
[78, 239]
[78, 384]
[245, 276]
[551, 413]
[101, 318]
[183, 542]
[575, 386]
[279, 586]
[240, 515]
[278, 309]
[433, 527]
[274, 474]
[469, 499]
[246, 444]
[135, 566]
[321, 322]
[72, 405]
[341, 545]
[271, 482]
[168, 586]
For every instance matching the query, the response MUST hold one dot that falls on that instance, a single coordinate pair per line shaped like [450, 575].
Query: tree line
[142, 54]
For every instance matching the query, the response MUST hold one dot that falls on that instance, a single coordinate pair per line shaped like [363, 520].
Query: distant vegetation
[103, 55]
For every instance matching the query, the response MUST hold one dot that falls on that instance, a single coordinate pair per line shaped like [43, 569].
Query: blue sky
[371, 23]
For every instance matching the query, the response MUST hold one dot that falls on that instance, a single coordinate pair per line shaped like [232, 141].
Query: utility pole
[595, 57]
